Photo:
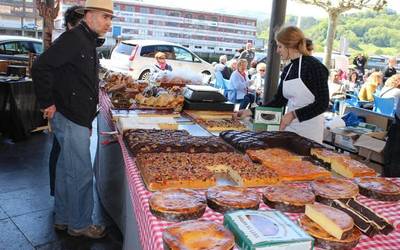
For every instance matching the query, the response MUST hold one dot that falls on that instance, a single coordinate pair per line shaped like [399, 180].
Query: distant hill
[367, 31]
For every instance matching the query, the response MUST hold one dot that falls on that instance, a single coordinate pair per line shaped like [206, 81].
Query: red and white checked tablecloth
[151, 228]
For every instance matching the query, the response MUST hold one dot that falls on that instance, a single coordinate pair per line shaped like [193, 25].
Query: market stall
[124, 185]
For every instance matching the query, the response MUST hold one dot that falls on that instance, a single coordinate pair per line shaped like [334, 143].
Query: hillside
[368, 32]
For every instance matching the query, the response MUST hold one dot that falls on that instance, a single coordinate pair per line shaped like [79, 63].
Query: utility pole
[278, 13]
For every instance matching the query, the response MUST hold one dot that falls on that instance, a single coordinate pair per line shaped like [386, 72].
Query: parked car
[17, 48]
[137, 57]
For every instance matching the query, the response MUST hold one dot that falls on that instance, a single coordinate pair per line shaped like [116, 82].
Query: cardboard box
[266, 230]
[371, 147]
[267, 119]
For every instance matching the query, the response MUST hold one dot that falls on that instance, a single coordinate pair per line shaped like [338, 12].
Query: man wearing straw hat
[66, 83]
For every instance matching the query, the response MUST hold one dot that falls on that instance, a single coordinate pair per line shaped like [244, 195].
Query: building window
[160, 12]
[143, 21]
[117, 7]
[129, 8]
[142, 32]
[228, 49]
[174, 13]
[197, 47]
[212, 48]
[221, 49]
[144, 10]
[185, 45]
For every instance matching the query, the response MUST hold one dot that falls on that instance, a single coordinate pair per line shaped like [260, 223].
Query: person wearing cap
[66, 83]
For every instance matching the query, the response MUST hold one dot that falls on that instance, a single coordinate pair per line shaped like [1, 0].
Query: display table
[146, 229]
[19, 110]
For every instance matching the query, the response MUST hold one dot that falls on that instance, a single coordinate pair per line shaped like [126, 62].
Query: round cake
[287, 198]
[325, 240]
[229, 198]
[378, 188]
[198, 234]
[329, 189]
[177, 204]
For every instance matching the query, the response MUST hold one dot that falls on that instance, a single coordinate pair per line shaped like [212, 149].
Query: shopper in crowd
[66, 83]
[253, 69]
[391, 69]
[309, 46]
[392, 148]
[258, 81]
[359, 62]
[353, 83]
[71, 19]
[161, 63]
[368, 89]
[222, 63]
[248, 54]
[303, 88]
[392, 89]
[337, 90]
[229, 69]
[240, 83]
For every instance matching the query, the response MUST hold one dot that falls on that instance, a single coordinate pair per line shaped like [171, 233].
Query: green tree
[334, 10]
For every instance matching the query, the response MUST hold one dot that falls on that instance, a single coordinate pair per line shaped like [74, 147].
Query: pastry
[224, 199]
[269, 154]
[383, 225]
[326, 241]
[221, 124]
[177, 204]
[378, 188]
[158, 141]
[326, 155]
[295, 170]
[198, 235]
[366, 226]
[351, 168]
[334, 221]
[184, 170]
[330, 189]
[287, 198]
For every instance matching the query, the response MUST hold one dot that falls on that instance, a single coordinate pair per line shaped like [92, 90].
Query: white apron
[298, 96]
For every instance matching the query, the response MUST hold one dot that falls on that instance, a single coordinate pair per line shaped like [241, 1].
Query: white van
[136, 57]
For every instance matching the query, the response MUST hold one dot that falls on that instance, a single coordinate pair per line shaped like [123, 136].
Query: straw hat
[98, 5]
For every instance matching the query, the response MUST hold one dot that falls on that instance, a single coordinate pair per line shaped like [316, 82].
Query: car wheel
[145, 75]
[206, 76]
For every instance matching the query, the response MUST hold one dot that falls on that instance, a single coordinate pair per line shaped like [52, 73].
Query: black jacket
[66, 75]
[315, 76]
[389, 71]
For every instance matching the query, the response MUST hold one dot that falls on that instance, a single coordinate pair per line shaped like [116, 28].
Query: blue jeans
[248, 99]
[73, 204]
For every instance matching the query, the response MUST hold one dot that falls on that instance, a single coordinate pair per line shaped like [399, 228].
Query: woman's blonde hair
[393, 81]
[241, 62]
[261, 66]
[160, 55]
[293, 38]
[375, 78]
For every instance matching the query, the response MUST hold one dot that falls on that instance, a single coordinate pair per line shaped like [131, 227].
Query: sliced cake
[351, 168]
[337, 223]
[329, 189]
[326, 241]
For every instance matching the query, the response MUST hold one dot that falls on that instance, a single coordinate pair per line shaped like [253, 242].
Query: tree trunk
[330, 37]
[49, 11]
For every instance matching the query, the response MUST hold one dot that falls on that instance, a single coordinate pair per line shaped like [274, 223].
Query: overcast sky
[293, 8]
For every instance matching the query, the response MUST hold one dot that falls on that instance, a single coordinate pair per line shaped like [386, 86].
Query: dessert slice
[177, 204]
[287, 198]
[378, 188]
[224, 199]
[351, 168]
[326, 241]
[326, 155]
[337, 223]
[198, 234]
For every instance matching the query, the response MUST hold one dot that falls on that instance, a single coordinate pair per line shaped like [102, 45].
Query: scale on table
[201, 97]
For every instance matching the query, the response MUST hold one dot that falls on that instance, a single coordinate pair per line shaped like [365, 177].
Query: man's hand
[48, 113]
[286, 120]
